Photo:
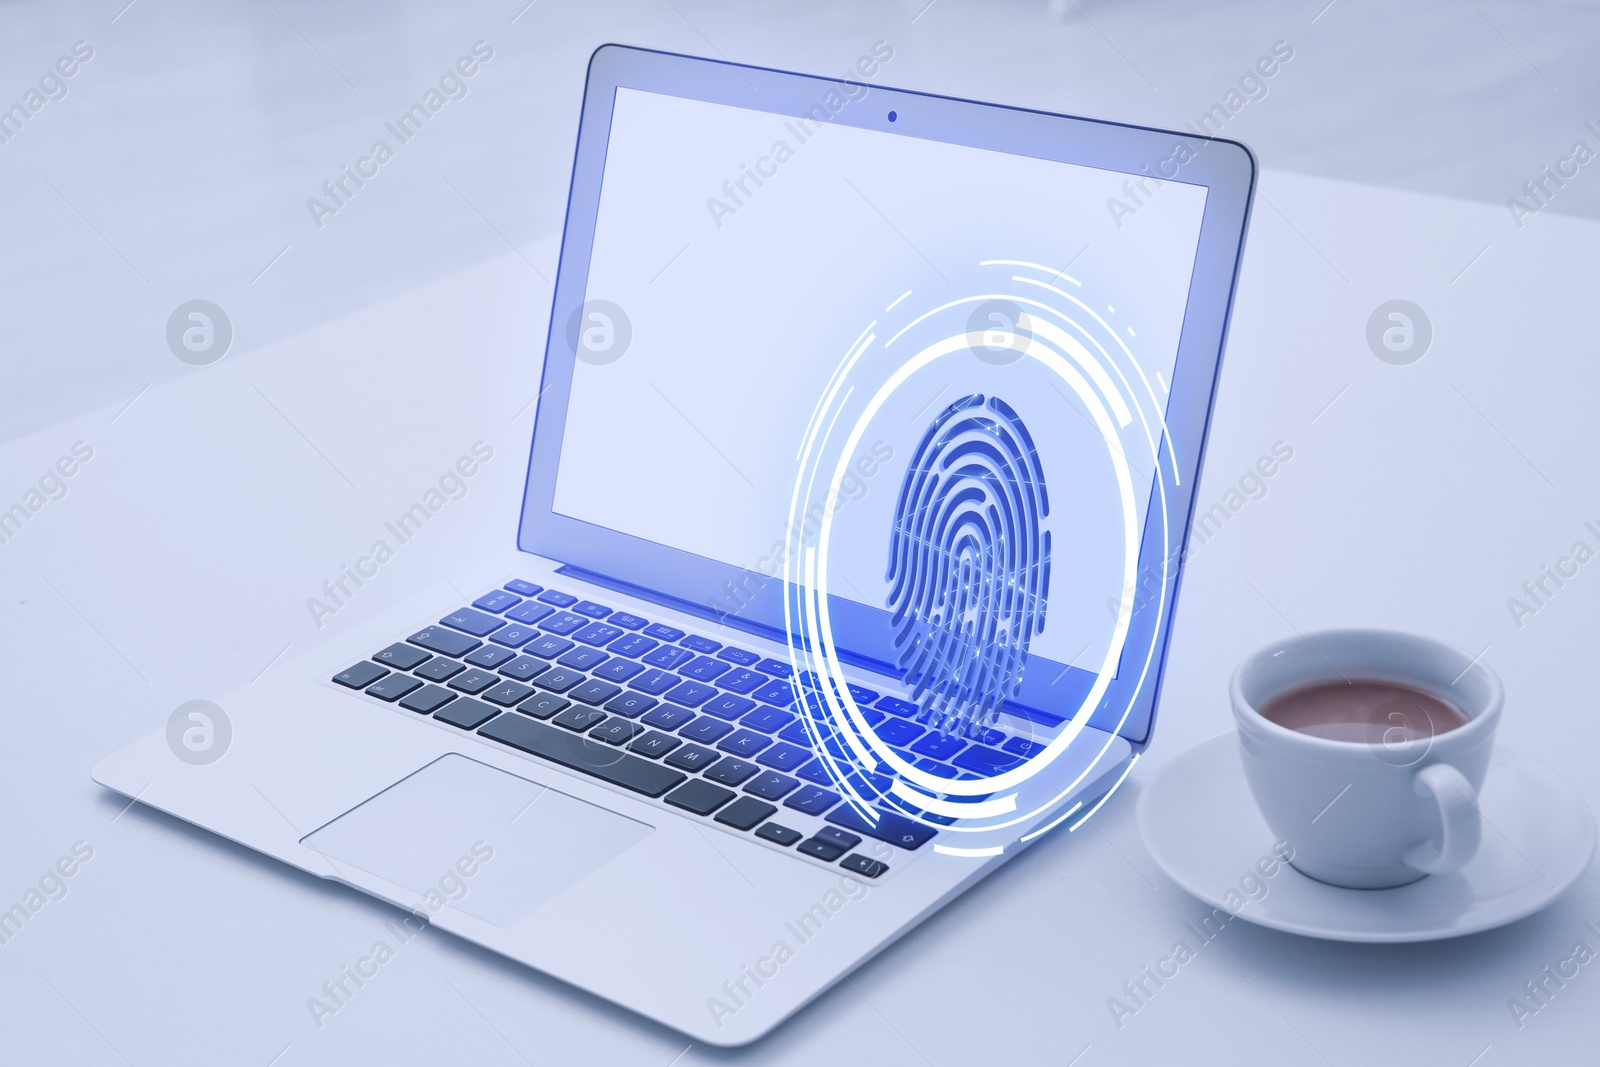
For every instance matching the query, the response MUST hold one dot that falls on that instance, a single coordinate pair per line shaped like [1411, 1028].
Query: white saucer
[1201, 825]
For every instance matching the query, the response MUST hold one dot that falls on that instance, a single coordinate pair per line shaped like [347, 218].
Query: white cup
[1380, 813]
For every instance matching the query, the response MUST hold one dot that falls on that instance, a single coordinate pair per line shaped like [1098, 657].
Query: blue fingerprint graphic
[969, 563]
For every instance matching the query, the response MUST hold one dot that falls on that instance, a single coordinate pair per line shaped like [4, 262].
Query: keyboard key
[497, 601]
[778, 835]
[984, 761]
[821, 849]
[579, 718]
[618, 669]
[809, 681]
[699, 796]
[667, 657]
[508, 693]
[522, 588]
[549, 646]
[899, 732]
[942, 820]
[594, 692]
[491, 656]
[473, 681]
[631, 704]
[795, 734]
[776, 667]
[895, 706]
[394, 687]
[529, 612]
[524, 667]
[444, 642]
[543, 705]
[581, 754]
[727, 706]
[691, 694]
[816, 771]
[439, 669]
[559, 679]
[777, 693]
[514, 636]
[598, 633]
[662, 632]
[835, 747]
[865, 866]
[654, 744]
[692, 758]
[736, 655]
[360, 676]
[895, 829]
[428, 699]
[631, 645]
[943, 770]
[744, 743]
[558, 598]
[745, 813]
[862, 694]
[770, 785]
[706, 730]
[700, 644]
[563, 623]
[812, 799]
[625, 620]
[1024, 746]
[703, 669]
[591, 609]
[730, 771]
[401, 657]
[989, 736]
[655, 682]
[467, 713]
[617, 731]
[583, 658]
[472, 622]
[834, 836]
[784, 757]
[869, 785]
[741, 680]
[767, 720]
[667, 717]
[935, 747]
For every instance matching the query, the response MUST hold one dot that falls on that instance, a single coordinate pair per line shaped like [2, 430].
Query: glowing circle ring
[848, 721]
[815, 583]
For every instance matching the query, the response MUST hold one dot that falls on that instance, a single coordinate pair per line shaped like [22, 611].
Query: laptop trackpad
[488, 843]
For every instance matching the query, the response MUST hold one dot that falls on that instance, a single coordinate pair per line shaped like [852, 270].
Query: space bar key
[582, 754]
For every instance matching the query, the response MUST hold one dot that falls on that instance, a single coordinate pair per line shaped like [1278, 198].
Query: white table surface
[179, 563]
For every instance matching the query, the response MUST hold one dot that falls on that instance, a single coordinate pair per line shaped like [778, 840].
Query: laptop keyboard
[707, 728]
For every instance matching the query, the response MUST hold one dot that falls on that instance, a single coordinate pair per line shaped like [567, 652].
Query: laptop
[863, 464]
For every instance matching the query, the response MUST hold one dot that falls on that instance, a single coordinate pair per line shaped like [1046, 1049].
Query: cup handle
[1458, 812]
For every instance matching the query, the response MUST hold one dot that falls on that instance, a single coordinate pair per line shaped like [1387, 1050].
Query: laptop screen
[739, 255]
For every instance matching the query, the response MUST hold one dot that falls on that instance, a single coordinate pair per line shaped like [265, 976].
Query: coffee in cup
[1350, 709]
[1365, 750]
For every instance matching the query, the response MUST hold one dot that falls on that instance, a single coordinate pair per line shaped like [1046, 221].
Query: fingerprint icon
[969, 563]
